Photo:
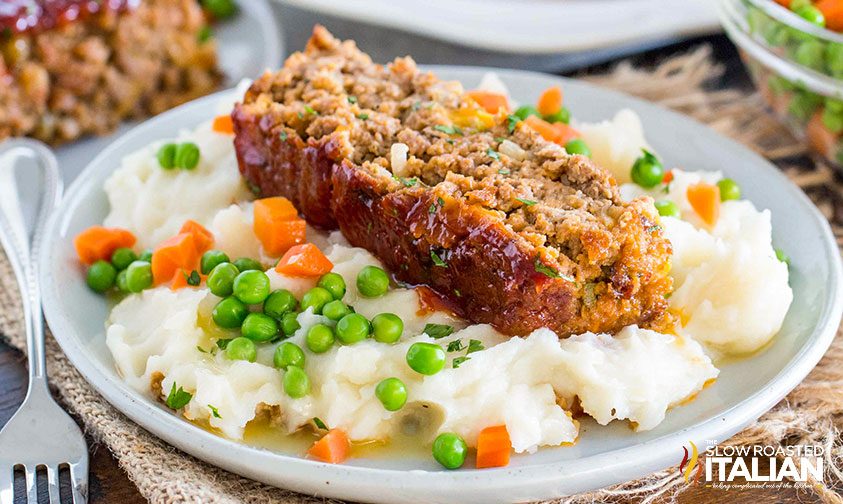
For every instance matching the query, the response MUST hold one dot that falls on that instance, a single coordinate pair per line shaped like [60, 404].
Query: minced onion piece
[398, 159]
[513, 150]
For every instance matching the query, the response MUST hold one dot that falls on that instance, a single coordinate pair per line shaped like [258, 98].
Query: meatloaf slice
[509, 227]
[75, 67]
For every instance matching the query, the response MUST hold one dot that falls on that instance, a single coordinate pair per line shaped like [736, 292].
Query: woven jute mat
[811, 414]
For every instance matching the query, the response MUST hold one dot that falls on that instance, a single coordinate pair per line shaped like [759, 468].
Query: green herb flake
[283, 136]
[222, 343]
[204, 34]
[437, 331]
[417, 105]
[654, 228]
[526, 201]
[475, 346]
[450, 141]
[511, 122]
[459, 361]
[493, 154]
[499, 139]
[449, 130]
[363, 116]
[437, 260]
[545, 269]
[455, 346]
[457, 293]
[214, 411]
[201, 349]
[410, 182]
[193, 279]
[504, 171]
[309, 109]
[178, 399]
[319, 423]
[352, 99]
[439, 203]
[301, 116]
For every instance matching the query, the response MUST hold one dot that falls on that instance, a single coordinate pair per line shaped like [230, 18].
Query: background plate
[604, 455]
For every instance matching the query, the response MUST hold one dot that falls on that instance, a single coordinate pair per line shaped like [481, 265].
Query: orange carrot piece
[304, 260]
[491, 102]
[493, 447]
[668, 177]
[833, 12]
[565, 133]
[98, 242]
[784, 3]
[332, 448]
[180, 277]
[203, 238]
[705, 200]
[223, 124]
[277, 225]
[559, 133]
[173, 254]
[550, 101]
[820, 138]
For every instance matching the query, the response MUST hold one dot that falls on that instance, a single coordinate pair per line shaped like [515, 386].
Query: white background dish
[247, 44]
[604, 455]
[531, 26]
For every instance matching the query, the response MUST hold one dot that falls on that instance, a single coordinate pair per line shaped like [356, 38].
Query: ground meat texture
[507, 227]
[63, 80]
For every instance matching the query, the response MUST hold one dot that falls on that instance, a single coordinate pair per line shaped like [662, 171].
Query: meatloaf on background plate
[507, 226]
[76, 67]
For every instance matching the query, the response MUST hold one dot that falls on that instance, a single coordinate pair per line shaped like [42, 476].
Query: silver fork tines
[40, 434]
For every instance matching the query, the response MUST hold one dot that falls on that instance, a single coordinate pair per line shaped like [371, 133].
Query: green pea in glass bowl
[796, 62]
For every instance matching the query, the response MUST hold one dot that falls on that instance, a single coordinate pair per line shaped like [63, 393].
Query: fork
[40, 435]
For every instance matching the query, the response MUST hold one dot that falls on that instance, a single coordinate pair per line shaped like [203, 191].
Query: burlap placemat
[810, 414]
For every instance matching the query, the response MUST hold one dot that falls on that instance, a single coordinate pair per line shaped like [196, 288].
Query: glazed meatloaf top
[454, 172]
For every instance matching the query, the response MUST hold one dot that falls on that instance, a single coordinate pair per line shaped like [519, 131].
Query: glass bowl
[797, 68]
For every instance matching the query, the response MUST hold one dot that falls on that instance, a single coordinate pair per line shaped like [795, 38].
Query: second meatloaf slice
[508, 227]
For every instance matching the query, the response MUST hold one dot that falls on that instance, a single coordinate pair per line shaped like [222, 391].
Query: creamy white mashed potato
[616, 143]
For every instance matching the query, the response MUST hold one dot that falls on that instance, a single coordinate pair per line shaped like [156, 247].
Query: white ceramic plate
[604, 455]
[247, 44]
[531, 26]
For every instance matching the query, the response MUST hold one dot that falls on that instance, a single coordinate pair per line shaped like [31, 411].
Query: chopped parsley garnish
[450, 130]
[475, 346]
[450, 141]
[193, 279]
[548, 271]
[205, 34]
[493, 154]
[256, 190]
[654, 228]
[352, 99]
[504, 171]
[437, 331]
[410, 182]
[437, 260]
[499, 139]
[439, 203]
[455, 346]
[214, 411]
[201, 349]
[457, 293]
[301, 116]
[178, 399]
[526, 201]
[459, 360]
[319, 423]
[417, 105]
[283, 136]
[309, 109]
[222, 343]
[363, 116]
[511, 121]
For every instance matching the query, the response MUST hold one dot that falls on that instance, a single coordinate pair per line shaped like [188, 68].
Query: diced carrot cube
[277, 225]
[304, 260]
[559, 133]
[705, 200]
[332, 448]
[173, 254]
[833, 12]
[550, 101]
[491, 102]
[98, 243]
[493, 447]
[203, 238]
[223, 124]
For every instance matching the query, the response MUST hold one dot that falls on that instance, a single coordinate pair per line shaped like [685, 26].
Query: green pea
[123, 257]
[220, 9]
[450, 450]
[167, 156]
[667, 208]
[392, 393]
[525, 111]
[230, 313]
[352, 328]
[387, 327]
[811, 54]
[138, 276]
[315, 298]
[729, 189]
[120, 281]
[779, 85]
[335, 310]
[811, 14]
[647, 171]
[259, 327]
[372, 281]
[333, 283]
[211, 259]
[187, 156]
[241, 349]
[146, 255]
[247, 264]
[296, 382]
[319, 338]
[803, 104]
[577, 146]
[798, 4]
[251, 287]
[290, 323]
[834, 59]
[278, 303]
[221, 279]
[288, 354]
[426, 358]
[101, 276]
[832, 120]
[563, 116]
[781, 256]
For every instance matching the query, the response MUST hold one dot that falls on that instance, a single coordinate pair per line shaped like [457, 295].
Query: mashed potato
[615, 144]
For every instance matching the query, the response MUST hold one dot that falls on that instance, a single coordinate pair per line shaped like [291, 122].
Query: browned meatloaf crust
[510, 228]
[62, 80]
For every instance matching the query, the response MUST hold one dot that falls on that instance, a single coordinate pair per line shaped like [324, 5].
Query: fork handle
[21, 246]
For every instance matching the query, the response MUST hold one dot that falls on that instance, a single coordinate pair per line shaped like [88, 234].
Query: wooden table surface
[109, 484]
